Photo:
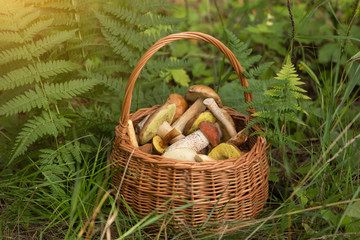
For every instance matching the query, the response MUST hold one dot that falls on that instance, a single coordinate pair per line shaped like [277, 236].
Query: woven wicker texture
[228, 190]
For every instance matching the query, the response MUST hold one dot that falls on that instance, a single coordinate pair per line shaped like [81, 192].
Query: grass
[314, 189]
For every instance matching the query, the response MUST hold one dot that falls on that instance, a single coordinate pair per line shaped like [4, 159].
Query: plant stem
[292, 33]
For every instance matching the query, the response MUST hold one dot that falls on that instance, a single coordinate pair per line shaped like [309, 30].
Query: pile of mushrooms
[194, 128]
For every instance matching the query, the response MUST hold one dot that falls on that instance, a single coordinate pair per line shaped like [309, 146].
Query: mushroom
[238, 139]
[201, 91]
[192, 125]
[225, 151]
[228, 117]
[193, 110]
[203, 158]
[181, 105]
[164, 113]
[214, 108]
[131, 133]
[199, 139]
[147, 148]
[164, 131]
[160, 143]
[183, 154]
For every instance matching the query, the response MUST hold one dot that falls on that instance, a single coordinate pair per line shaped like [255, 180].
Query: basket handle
[172, 38]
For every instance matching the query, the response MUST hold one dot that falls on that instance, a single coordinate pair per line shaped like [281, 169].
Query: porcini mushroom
[181, 104]
[199, 139]
[165, 131]
[183, 154]
[201, 91]
[214, 108]
[225, 151]
[164, 113]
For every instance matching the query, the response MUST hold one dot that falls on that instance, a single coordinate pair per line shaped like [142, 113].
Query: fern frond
[36, 28]
[25, 102]
[30, 74]
[125, 14]
[26, 20]
[116, 84]
[49, 42]
[60, 4]
[119, 47]
[128, 35]
[10, 37]
[44, 125]
[68, 89]
[256, 71]
[14, 54]
[53, 68]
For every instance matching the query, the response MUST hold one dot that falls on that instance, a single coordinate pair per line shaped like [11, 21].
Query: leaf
[354, 210]
[180, 76]
[39, 126]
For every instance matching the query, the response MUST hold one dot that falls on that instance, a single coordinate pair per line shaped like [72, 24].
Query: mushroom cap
[192, 125]
[180, 102]
[201, 91]
[158, 145]
[183, 154]
[164, 113]
[211, 132]
[225, 151]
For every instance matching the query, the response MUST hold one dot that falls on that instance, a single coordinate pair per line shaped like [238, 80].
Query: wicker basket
[225, 191]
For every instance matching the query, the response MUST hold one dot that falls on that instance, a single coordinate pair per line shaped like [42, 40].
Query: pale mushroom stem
[214, 108]
[194, 109]
[195, 141]
[165, 129]
[131, 134]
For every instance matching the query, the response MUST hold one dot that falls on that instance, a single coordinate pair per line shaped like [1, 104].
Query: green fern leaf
[49, 42]
[19, 77]
[29, 74]
[36, 28]
[25, 102]
[13, 54]
[24, 21]
[53, 68]
[10, 37]
[44, 125]
[68, 89]
[128, 35]
[60, 4]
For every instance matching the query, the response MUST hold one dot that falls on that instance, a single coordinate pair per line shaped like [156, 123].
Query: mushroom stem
[131, 134]
[165, 129]
[195, 141]
[194, 109]
[214, 108]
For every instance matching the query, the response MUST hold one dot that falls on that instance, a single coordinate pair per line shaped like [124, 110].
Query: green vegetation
[64, 65]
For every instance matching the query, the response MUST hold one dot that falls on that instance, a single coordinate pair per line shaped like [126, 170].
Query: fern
[47, 124]
[282, 107]
[30, 74]
[35, 66]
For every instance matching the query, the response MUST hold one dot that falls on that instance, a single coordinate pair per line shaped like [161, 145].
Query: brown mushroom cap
[225, 151]
[211, 132]
[164, 113]
[201, 91]
[192, 125]
[181, 104]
